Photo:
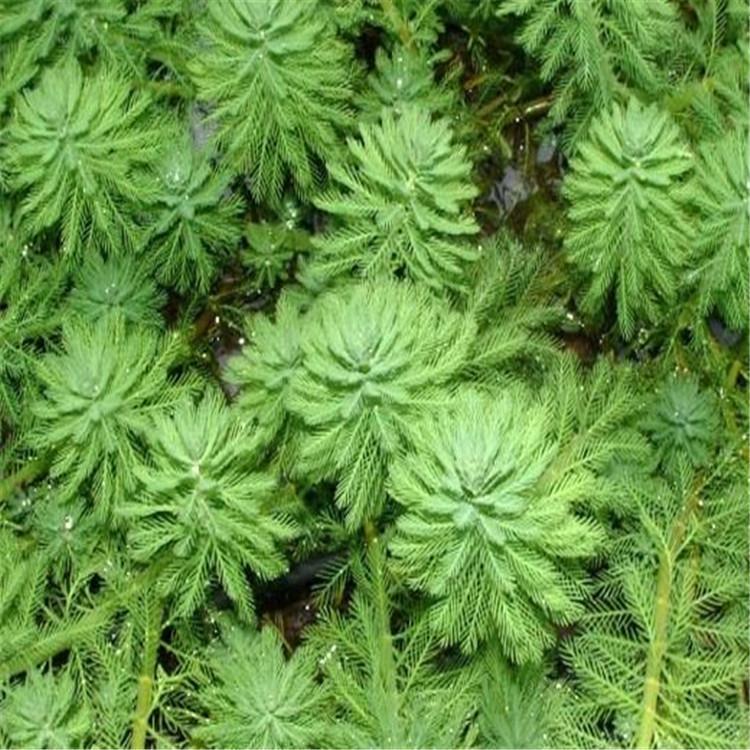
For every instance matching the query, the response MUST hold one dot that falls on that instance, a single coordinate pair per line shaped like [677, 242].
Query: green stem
[371, 533]
[27, 473]
[538, 107]
[143, 704]
[732, 375]
[527, 111]
[658, 645]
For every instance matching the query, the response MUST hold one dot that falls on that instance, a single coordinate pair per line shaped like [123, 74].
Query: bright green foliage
[518, 707]
[72, 148]
[662, 655]
[375, 355]
[103, 657]
[594, 421]
[408, 20]
[718, 103]
[714, 49]
[270, 68]
[683, 421]
[18, 258]
[386, 690]
[108, 288]
[18, 66]
[98, 395]
[720, 194]
[593, 49]
[69, 537]
[271, 251]
[265, 370]
[402, 204]
[205, 509]
[82, 27]
[110, 661]
[373, 373]
[512, 306]
[629, 227]
[114, 675]
[28, 315]
[484, 533]
[42, 712]
[402, 79]
[193, 220]
[22, 575]
[259, 699]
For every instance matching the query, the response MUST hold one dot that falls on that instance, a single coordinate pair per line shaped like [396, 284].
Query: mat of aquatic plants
[373, 373]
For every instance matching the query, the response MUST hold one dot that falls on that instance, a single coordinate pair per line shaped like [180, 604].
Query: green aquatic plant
[629, 228]
[51, 698]
[513, 307]
[205, 508]
[110, 287]
[195, 217]
[519, 706]
[72, 149]
[671, 642]
[402, 78]
[98, 395]
[294, 72]
[271, 251]
[29, 315]
[373, 373]
[385, 688]
[375, 355]
[720, 193]
[683, 421]
[403, 204]
[265, 370]
[485, 533]
[116, 31]
[286, 708]
[591, 50]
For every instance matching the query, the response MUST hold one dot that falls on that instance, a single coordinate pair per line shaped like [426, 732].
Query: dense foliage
[373, 373]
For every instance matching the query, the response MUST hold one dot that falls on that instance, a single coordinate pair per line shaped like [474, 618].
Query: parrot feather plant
[374, 374]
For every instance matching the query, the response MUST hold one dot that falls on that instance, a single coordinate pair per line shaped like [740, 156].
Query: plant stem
[734, 371]
[27, 473]
[371, 533]
[532, 109]
[152, 638]
[538, 107]
[658, 645]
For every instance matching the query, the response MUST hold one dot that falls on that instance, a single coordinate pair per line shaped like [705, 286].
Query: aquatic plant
[307, 441]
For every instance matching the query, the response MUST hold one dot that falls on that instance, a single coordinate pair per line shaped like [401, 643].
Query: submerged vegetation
[373, 373]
